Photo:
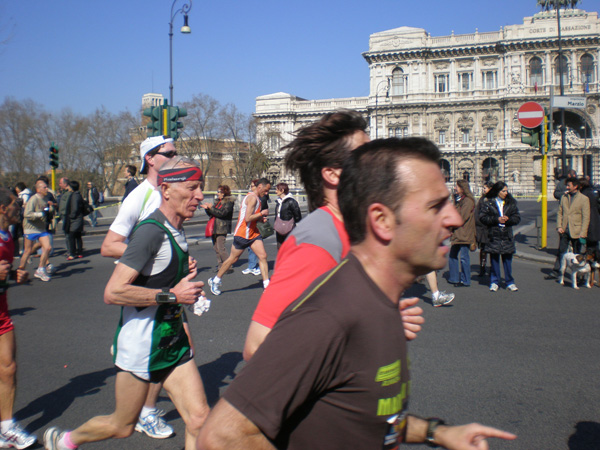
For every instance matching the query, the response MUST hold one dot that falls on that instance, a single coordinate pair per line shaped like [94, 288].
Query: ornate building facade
[463, 92]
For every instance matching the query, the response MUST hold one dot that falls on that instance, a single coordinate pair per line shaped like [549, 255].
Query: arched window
[489, 169]
[445, 166]
[587, 69]
[536, 75]
[398, 82]
[565, 70]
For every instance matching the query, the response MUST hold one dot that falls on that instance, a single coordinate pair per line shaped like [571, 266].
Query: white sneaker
[154, 426]
[247, 271]
[214, 286]
[493, 287]
[256, 272]
[512, 287]
[16, 437]
[49, 269]
[41, 274]
[442, 298]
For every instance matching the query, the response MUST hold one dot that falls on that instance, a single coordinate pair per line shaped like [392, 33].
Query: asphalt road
[526, 362]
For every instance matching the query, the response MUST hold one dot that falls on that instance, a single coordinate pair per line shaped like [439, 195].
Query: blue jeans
[94, 216]
[252, 259]
[507, 263]
[462, 251]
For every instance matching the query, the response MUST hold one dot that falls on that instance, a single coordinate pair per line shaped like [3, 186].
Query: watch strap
[432, 424]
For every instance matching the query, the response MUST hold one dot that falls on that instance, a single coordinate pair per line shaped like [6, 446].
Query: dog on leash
[579, 265]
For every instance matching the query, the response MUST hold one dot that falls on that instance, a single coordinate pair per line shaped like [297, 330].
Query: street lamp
[185, 29]
[387, 96]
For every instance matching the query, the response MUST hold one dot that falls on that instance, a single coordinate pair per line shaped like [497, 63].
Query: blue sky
[91, 53]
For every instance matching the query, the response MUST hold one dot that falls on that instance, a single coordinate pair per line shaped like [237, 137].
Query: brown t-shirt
[333, 372]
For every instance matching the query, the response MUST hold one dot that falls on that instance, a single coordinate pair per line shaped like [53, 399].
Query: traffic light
[53, 156]
[173, 114]
[532, 136]
[155, 126]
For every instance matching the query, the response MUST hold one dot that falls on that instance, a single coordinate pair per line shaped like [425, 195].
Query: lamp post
[387, 96]
[185, 29]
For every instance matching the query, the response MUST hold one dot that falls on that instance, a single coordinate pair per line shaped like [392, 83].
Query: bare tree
[250, 158]
[111, 144]
[548, 5]
[202, 132]
[21, 138]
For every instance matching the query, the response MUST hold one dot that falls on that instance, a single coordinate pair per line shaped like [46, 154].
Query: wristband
[432, 424]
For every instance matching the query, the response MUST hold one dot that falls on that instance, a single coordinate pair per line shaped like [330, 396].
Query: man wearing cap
[143, 200]
[152, 282]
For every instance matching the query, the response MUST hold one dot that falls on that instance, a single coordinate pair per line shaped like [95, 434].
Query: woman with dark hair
[74, 227]
[462, 237]
[481, 231]
[222, 211]
[287, 209]
[499, 213]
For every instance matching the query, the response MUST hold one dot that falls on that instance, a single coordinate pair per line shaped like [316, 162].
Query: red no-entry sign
[531, 114]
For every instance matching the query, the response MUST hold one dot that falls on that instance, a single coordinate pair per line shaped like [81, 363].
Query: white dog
[579, 265]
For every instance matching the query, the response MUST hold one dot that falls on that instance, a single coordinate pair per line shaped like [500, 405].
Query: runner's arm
[114, 245]
[227, 428]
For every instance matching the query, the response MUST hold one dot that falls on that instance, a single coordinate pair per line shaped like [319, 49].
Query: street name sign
[568, 102]
[531, 114]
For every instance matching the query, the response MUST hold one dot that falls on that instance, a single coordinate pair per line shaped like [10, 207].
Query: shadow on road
[586, 436]
[219, 373]
[54, 404]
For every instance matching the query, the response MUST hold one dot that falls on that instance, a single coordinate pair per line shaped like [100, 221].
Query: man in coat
[572, 222]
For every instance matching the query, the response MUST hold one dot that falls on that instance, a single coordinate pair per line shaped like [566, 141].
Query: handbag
[283, 226]
[87, 208]
[210, 227]
[265, 229]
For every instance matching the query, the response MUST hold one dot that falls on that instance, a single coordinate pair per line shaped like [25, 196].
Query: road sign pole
[544, 240]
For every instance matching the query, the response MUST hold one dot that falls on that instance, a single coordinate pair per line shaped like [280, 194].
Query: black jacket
[289, 210]
[593, 233]
[73, 222]
[500, 239]
[223, 213]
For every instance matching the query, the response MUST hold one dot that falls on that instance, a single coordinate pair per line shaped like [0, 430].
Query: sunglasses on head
[168, 154]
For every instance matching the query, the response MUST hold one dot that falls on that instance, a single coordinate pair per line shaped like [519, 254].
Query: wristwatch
[165, 297]
[432, 424]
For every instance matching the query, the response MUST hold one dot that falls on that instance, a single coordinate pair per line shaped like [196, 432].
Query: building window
[536, 75]
[442, 82]
[274, 142]
[466, 134]
[490, 135]
[490, 79]
[399, 82]
[442, 137]
[587, 69]
[465, 81]
[565, 70]
[398, 132]
[445, 166]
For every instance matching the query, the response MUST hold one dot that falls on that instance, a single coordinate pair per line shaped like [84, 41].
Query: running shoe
[49, 269]
[16, 437]
[41, 274]
[51, 437]
[256, 272]
[247, 271]
[215, 287]
[493, 287]
[512, 287]
[154, 426]
[442, 298]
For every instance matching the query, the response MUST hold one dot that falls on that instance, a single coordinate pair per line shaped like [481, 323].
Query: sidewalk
[526, 240]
